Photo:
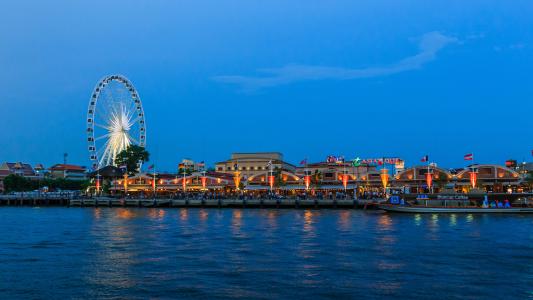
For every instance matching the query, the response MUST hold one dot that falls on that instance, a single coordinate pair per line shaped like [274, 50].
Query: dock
[192, 202]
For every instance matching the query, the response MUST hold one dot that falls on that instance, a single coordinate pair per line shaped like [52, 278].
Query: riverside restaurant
[259, 174]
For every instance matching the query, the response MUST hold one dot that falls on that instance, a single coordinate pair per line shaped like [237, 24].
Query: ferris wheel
[115, 120]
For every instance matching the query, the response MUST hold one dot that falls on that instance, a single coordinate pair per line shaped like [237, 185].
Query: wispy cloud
[429, 44]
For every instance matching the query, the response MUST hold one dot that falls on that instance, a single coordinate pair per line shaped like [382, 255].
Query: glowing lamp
[384, 175]
[429, 180]
[271, 181]
[204, 182]
[345, 180]
[473, 179]
[237, 179]
[307, 181]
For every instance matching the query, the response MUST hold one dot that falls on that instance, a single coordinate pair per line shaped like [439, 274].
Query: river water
[79, 253]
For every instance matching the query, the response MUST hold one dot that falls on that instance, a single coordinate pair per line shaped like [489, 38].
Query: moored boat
[470, 210]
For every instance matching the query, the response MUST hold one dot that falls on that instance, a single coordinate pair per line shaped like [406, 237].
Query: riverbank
[193, 202]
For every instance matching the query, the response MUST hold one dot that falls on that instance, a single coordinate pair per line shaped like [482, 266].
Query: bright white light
[118, 133]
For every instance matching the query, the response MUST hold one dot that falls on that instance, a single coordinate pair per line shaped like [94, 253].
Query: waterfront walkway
[193, 202]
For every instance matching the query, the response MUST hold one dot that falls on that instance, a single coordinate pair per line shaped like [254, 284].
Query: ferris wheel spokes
[116, 118]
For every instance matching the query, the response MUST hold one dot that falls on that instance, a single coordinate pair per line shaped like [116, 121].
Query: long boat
[453, 210]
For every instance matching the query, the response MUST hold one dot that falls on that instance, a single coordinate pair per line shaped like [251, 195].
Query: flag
[151, 167]
[303, 162]
[469, 156]
[425, 158]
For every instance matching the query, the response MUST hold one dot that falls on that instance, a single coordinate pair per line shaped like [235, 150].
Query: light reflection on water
[453, 220]
[251, 253]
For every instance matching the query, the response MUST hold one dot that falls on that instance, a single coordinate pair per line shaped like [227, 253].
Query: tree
[131, 156]
[17, 183]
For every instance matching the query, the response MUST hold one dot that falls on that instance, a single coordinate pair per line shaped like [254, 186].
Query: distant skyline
[370, 79]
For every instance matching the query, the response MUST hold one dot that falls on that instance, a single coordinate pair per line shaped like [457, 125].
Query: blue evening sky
[306, 78]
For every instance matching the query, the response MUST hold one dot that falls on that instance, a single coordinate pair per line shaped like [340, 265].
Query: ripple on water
[264, 254]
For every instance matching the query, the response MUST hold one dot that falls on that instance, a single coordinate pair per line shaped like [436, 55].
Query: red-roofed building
[71, 172]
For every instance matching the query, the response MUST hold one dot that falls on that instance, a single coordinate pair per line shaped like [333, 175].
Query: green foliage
[16, 183]
[131, 157]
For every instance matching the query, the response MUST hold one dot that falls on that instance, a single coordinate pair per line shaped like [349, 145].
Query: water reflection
[344, 220]
[156, 214]
[184, 214]
[469, 218]
[384, 222]
[433, 227]
[124, 213]
[236, 222]
[112, 254]
[272, 219]
[203, 215]
[418, 219]
[308, 221]
[97, 213]
[453, 220]
[135, 253]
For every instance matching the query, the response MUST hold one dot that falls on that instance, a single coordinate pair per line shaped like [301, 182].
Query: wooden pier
[221, 203]
[192, 202]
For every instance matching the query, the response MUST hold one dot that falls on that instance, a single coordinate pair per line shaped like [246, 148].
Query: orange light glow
[237, 178]
[271, 181]
[429, 180]
[307, 181]
[384, 177]
[204, 182]
[345, 180]
[473, 179]
[126, 183]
